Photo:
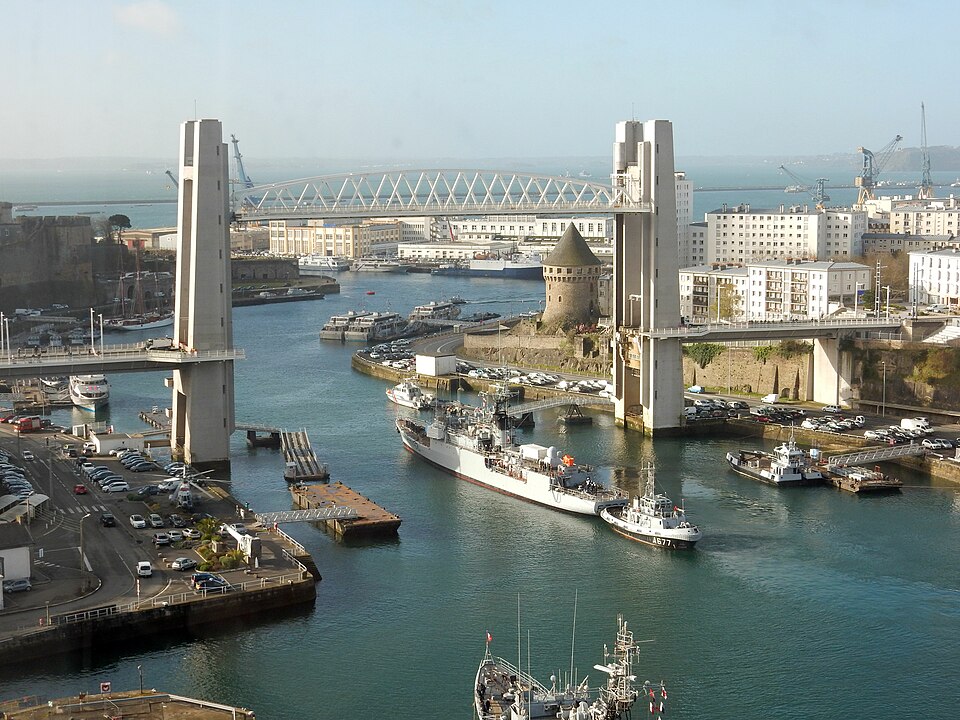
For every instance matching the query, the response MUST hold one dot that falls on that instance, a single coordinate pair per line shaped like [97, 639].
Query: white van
[770, 399]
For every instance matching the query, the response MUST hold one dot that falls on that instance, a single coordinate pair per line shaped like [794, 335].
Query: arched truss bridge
[429, 192]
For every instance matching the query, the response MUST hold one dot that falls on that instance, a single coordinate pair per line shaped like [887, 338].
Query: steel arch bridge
[401, 193]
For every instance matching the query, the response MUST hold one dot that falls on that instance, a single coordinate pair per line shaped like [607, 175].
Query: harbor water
[798, 603]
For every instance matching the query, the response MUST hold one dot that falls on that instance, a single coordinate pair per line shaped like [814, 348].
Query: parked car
[183, 564]
[192, 533]
[19, 585]
[832, 409]
[160, 539]
[107, 519]
[144, 569]
[138, 521]
[695, 389]
[155, 520]
[117, 487]
[177, 521]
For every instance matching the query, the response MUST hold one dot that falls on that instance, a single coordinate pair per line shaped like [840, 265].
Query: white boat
[653, 519]
[383, 266]
[147, 321]
[322, 264]
[89, 392]
[336, 327]
[53, 385]
[504, 691]
[786, 465]
[433, 310]
[477, 444]
[515, 266]
[409, 394]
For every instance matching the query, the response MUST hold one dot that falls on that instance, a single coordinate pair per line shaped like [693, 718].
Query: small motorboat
[370, 292]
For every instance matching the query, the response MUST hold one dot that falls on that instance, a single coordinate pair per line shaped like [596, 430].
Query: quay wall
[166, 620]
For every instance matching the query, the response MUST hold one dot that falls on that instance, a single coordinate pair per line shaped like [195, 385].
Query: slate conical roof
[571, 251]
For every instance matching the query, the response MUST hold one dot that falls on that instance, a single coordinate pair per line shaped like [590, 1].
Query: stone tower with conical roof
[571, 272]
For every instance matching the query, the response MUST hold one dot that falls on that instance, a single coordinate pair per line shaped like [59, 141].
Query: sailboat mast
[573, 640]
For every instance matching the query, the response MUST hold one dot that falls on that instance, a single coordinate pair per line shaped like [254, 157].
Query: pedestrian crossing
[83, 509]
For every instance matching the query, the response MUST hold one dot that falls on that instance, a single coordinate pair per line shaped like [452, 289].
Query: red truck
[28, 424]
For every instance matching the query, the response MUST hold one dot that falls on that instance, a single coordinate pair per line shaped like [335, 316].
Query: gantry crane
[925, 191]
[872, 166]
[815, 191]
[241, 173]
[175, 183]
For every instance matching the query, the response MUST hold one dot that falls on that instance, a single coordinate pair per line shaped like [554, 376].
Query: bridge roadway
[760, 330]
[565, 399]
[113, 359]
[431, 192]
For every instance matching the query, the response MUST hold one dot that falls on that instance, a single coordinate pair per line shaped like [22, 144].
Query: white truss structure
[428, 192]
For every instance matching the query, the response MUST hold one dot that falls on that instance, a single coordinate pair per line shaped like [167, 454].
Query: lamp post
[856, 297]
[883, 396]
[887, 314]
[140, 672]
[101, 333]
[82, 559]
[718, 303]
[93, 349]
[6, 334]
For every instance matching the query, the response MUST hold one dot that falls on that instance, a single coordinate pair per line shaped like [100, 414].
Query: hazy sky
[461, 79]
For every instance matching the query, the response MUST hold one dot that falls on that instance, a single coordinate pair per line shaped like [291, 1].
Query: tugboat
[786, 465]
[653, 519]
[504, 691]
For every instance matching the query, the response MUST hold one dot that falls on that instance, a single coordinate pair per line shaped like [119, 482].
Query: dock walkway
[301, 464]
[371, 519]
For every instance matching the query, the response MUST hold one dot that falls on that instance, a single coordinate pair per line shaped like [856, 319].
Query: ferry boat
[409, 394]
[477, 444]
[89, 392]
[433, 310]
[786, 465]
[322, 264]
[375, 327]
[383, 266]
[53, 385]
[502, 690]
[518, 267]
[336, 327]
[653, 519]
[147, 321]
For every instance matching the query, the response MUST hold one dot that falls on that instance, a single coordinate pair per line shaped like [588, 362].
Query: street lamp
[883, 397]
[82, 559]
[856, 297]
[92, 347]
[101, 333]
[140, 671]
[887, 287]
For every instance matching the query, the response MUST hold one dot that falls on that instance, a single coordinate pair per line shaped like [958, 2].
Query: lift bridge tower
[203, 405]
[648, 372]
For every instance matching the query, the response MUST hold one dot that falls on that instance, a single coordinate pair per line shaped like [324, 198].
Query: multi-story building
[890, 242]
[770, 290]
[935, 277]
[351, 240]
[684, 218]
[450, 251]
[741, 234]
[931, 217]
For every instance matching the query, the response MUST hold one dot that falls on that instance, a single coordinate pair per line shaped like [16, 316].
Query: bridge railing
[764, 325]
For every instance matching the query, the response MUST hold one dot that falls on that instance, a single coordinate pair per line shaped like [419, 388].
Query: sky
[408, 79]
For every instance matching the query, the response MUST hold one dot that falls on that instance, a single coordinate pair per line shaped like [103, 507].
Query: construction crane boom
[873, 164]
[176, 184]
[925, 191]
[816, 191]
[241, 173]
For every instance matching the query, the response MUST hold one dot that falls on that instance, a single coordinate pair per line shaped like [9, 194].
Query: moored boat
[477, 444]
[382, 266]
[786, 465]
[409, 394]
[653, 519]
[147, 321]
[312, 265]
[433, 310]
[519, 267]
[503, 690]
[89, 392]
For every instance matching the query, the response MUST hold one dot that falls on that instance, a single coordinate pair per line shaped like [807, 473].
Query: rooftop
[571, 251]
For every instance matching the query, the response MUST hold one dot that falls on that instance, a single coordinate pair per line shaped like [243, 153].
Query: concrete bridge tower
[648, 373]
[203, 409]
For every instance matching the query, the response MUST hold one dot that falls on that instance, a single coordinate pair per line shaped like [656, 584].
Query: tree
[730, 302]
[119, 223]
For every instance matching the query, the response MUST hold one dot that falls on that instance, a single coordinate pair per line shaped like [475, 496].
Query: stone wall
[249, 270]
[741, 371]
[525, 346]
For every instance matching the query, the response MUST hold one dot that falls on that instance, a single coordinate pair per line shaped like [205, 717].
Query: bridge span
[762, 330]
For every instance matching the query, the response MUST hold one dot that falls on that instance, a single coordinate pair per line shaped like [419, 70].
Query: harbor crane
[873, 164]
[176, 184]
[925, 191]
[815, 191]
[241, 173]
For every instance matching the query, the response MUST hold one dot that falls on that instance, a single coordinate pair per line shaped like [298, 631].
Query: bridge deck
[371, 519]
[567, 399]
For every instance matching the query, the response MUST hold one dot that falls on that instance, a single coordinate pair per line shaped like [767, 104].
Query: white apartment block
[935, 277]
[529, 228]
[773, 289]
[684, 190]
[933, 217]
[740, 234]
[697, 245]
[450, 251]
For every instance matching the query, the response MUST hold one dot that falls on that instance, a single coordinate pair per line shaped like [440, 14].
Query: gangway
[570, 399]
[868, 457]
[337, 512]
[301, 462]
